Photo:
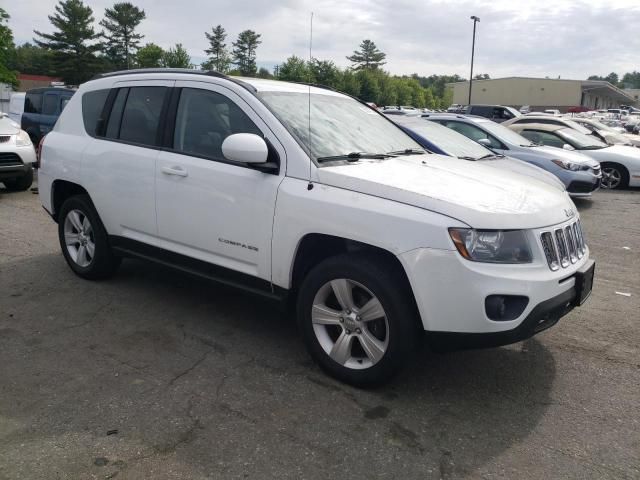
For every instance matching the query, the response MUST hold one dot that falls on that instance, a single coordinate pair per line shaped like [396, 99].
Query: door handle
[178, 171]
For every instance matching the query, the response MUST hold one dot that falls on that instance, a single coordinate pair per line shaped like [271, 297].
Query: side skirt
[126, 247]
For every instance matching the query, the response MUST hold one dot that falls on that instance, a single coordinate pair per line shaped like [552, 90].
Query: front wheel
[84, 240]
[614, 176]
[357, 318]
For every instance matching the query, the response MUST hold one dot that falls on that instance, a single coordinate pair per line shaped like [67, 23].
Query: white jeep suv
[299, 192]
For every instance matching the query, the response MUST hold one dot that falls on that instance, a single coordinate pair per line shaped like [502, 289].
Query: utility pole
[473, 48]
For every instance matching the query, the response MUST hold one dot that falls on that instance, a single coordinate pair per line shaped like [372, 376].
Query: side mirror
[485, 141]
[245, 148]
[566, 146]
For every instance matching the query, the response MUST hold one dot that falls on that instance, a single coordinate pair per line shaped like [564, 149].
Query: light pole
[473, 48]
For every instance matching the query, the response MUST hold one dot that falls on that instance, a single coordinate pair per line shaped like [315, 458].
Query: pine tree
[244, 52]
[219, 58]
[368, 57]
[74, 54]
[120, 25]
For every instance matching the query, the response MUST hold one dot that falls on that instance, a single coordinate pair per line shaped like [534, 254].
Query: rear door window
[115, 118]
[141, 115]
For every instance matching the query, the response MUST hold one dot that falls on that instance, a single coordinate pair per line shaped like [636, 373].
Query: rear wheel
[614, 176]
[84, 241]
[357, 318]
[20, 184]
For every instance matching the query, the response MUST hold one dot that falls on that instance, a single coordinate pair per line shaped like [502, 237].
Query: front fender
[393, 226]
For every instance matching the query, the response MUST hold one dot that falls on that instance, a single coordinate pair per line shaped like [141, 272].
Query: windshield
[339, 125]
[576, 126]
[506, 135]
[446, 139]
[580, 140]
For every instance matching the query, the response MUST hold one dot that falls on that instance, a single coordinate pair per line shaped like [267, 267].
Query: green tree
[631, 80]
[219, 59]
[29, 58]
[294, 69]
[176, 57]
[150, 56]
[264, 73]
[7, 51]
[368, 57]
[71, 42]
[244, 52]
[325, 72]
[369, 86]
[120, 25]
[350, 83]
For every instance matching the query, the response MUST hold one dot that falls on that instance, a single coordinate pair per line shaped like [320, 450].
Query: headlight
[567, 165]
[22, 139]
[492, 246]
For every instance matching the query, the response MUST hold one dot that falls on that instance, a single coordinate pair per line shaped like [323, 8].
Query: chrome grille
[573, 250]
[563, 246]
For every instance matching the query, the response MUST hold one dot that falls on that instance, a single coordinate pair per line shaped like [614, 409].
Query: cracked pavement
[197, 381]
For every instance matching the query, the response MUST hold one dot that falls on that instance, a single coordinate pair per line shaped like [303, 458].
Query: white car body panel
[625, 155]
[404, 205]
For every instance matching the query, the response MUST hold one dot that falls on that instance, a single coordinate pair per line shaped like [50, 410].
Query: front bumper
[15, 161]
[451, 292]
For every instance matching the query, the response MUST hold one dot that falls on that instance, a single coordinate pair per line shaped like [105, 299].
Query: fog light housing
[503, 308]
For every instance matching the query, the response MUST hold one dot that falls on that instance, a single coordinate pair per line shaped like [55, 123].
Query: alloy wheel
[611, 178]
[79, 238]
[350, 324]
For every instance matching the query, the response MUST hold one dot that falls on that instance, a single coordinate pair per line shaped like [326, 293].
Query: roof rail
[209, 73]
[317, 85]
[185, 71]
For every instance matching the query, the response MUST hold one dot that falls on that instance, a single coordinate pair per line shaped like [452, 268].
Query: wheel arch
[625, 171]
[61, 190]
[313, 248]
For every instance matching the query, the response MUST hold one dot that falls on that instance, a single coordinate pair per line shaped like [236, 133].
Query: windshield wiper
[354, 157]
[473, 159]
[407, 151]
[490, 155]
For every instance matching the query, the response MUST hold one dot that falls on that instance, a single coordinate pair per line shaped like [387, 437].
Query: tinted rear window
[141, 115]
[33, 103]
[92, 105]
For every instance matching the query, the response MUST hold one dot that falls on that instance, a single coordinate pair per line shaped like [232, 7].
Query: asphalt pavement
[156, 374]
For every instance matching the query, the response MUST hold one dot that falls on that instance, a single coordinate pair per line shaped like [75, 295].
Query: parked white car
[17, 155]
[339, 211]
[620, 164]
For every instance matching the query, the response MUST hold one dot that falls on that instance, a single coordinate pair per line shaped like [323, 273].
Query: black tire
[617, 169]
[104, 263]
[384, 280]
[20, 184]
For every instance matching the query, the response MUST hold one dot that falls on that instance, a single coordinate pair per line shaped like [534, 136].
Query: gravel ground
[155, 374]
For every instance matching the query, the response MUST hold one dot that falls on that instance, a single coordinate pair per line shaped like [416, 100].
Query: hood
[526, 169]
[562, 154]
[472, 192]
[8, 126]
